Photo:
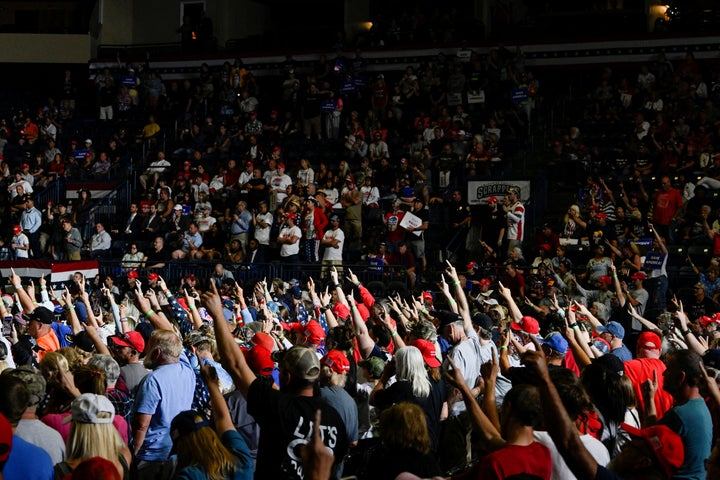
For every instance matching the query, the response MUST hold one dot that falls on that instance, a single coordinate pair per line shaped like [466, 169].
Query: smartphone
[7, 326]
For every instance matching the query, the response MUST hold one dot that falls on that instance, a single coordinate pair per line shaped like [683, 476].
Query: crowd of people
[206, 379]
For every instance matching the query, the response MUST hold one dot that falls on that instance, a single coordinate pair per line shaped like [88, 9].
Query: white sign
[479, 191]
[411, 221]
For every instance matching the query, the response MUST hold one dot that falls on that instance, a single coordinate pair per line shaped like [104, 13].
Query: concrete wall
[128, 22]
[44, 48]
[117, 22]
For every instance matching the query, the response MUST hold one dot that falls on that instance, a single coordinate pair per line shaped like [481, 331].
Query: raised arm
[220, 412]
[365, 341]
[231, 357]
[559, 424]
[484, 426]
[515, 313]
[462, 303]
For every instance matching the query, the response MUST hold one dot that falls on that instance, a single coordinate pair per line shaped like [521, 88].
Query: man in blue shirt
[30, 221]
[162, 394]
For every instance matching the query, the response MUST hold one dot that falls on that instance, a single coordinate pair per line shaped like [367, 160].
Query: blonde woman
[92, 434]
[203, 452]
[574, 226]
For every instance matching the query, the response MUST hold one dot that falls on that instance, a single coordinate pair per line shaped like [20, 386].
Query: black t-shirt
[286, 423]
[492, 223]
[401, 391]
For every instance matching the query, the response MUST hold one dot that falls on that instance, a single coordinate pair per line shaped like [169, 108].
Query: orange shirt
[49, 342]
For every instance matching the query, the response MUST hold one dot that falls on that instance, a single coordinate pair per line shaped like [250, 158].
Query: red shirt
[511, 460]
[642, 369]
[666, 205]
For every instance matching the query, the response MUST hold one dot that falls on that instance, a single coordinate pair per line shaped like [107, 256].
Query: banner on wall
[57, 274]
[480, 190]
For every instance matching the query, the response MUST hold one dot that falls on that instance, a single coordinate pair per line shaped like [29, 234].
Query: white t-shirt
[560, 470]
[20, 240]
[332, 253]
[288, 249]
[262, 235]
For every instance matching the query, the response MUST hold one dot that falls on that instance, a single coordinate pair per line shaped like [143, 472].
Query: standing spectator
[416, 241]
[515, 213]
[126, 350]
[666, 204]
[73, 240]
[289, 239]
[333, 241]
[20, 244]
[690, 417]
[25, 459]
[240, 226]
[351, 201]
[285, 416]
[31, 221]
[164, 393]
[30, 428]
[314, 222]
[93, 434]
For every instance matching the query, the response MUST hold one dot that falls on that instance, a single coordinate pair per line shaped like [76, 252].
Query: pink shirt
[55, 420]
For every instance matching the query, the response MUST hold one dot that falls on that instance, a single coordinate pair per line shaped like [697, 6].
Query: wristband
[18, 287]
[353, 307]
[686, 332]
[336, 286]
[591, 344]
[456, 283]
[393, 334]
[149, 313]
[192, 307]
[70, 307]
[451, 301]
[503, 347]
[123, 320]
[573, 325]
[43, 287]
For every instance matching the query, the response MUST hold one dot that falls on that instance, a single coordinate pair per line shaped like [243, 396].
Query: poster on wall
[480, 190]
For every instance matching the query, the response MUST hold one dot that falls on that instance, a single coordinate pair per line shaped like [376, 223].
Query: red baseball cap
[132, 274]
[638, 275]
[427, 348]
[313, 332]
[492, 199]
[427, 296]
[281, 165]
[602, 215]
[131, 339]
[17, 229]
[664, 443]
[337, 361]
[264, 340]
[485, 282]
[649, 341]
[604, 279]
[259, 359]
[153, 276]
[527, 324]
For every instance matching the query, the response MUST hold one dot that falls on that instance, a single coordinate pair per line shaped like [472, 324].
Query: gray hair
[108, 365]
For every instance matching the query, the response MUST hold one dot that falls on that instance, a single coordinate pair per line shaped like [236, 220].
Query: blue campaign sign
[643, 242]
[654, 260]
[519, 95]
